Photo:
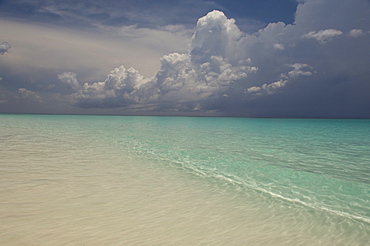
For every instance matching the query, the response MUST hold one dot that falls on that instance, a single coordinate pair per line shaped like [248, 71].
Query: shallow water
[111, 180]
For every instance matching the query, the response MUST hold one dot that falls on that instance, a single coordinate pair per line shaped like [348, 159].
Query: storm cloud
[312, 68]
[184, 81]
[315, 66]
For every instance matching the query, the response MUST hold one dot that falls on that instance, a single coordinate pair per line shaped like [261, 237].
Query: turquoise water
[315, 169]
[324, 164]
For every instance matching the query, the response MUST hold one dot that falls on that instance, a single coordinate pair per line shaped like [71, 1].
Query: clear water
[120, 180]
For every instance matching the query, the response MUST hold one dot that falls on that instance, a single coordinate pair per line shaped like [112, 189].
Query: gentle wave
[235, 180]
[290, 179]
[247, 183]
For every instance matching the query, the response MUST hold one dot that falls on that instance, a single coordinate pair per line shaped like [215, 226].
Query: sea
[147, 180]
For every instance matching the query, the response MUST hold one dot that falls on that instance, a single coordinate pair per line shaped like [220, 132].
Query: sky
[266, 58]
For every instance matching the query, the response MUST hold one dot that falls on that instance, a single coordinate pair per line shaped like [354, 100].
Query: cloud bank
[184, 82]
[314, 67]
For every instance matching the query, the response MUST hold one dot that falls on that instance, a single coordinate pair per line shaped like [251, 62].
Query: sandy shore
[80, 192]
[134, 203]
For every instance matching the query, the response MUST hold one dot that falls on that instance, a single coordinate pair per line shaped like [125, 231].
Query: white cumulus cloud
[209, 69]
[355, 33]
[4, 47]
[278, 46]
[276, 67]
[70, 79]
[323, 36]
[28, 94]
[299, 69]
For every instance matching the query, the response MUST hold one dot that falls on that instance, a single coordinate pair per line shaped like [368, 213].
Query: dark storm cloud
[314, 66]
[266, 11]
[146, 13]
[94, 13]
[298, 70]
[185, 81]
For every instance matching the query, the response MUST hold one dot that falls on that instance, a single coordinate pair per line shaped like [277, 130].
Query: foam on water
[70, 180]
[320, 163]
